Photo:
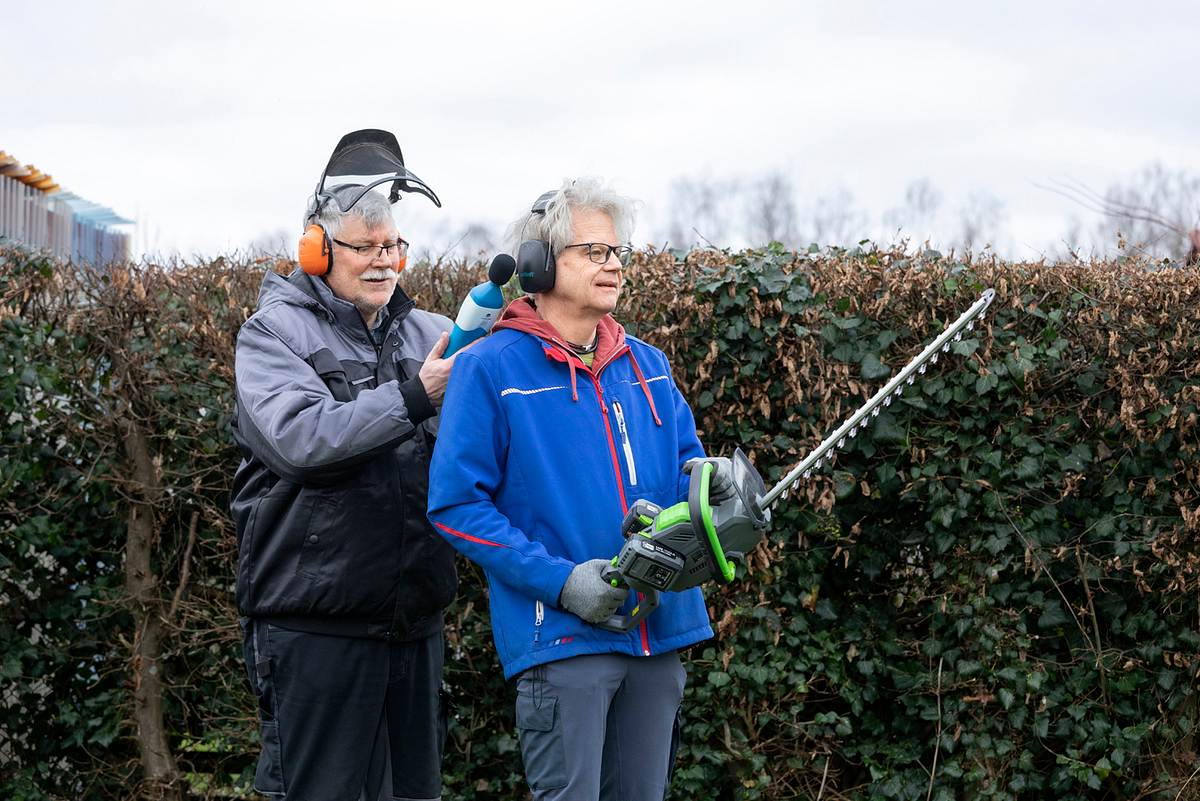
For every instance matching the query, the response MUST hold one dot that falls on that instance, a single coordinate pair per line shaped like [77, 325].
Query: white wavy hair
[555, 225]
[373, 209]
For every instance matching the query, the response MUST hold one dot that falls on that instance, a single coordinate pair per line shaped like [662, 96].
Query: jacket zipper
[539, 615]
[612, 449]
[625, 444]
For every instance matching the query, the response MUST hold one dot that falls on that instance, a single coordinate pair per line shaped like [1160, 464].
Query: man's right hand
[588, 595]
[435, 372]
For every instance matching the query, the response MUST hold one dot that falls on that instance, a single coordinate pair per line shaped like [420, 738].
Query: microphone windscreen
[502, 269]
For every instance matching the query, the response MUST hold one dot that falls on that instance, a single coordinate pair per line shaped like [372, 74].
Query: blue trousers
[600, 727]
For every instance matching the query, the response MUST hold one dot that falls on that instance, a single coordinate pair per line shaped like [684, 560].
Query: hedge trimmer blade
[893, 389]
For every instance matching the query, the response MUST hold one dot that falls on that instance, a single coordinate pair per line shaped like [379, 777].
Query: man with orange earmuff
[341, 581]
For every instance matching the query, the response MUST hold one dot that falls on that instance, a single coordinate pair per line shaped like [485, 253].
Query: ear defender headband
[535, 258]
[363, 159]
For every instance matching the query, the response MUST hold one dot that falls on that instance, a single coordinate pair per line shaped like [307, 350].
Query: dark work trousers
[600, 727]
[346, 718]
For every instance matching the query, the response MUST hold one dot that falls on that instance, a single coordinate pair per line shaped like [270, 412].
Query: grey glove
[588, 595]
[720, 486]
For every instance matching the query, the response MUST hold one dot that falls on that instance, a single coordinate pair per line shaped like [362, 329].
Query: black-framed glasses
[598, 252]
[392, 250]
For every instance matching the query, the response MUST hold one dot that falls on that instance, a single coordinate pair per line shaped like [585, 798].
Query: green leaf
[886, 430]
[873, 368]
[718, 678]
[1078, 459]
[1052, 616]
[844, 484]
[965, 347]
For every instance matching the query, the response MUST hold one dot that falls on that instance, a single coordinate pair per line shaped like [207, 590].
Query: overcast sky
[210, 122]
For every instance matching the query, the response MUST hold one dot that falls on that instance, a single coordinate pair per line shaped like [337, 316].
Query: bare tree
[771, 210]
[835, 219]
[1156, 211]
[1072, 242]
[915, 217]
[700, 210]
[476, 240]
[279, 242]
[981, 220]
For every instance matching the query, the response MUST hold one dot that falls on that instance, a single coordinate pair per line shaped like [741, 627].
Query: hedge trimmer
[699, 539]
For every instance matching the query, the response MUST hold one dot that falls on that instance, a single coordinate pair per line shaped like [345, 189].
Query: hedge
[994, 593]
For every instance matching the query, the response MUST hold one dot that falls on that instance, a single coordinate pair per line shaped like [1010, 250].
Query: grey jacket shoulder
[427, 324]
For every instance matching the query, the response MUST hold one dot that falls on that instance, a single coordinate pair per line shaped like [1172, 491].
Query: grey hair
[555, 225]
[373, 209]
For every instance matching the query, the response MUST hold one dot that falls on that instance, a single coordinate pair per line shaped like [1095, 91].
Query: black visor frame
[369, 152]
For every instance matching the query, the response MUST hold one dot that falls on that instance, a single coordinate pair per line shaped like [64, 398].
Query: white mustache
[377, 274]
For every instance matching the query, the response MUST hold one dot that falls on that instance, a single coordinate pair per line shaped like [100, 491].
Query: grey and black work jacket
[336, 434]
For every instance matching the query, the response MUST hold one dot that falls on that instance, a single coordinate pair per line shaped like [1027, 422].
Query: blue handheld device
[481, 306]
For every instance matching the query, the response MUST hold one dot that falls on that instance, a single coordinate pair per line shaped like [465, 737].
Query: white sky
[210, 122]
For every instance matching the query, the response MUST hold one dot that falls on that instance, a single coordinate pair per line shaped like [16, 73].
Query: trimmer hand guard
[691, 542]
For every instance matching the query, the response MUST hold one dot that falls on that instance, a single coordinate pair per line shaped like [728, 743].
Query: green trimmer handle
[701, 514]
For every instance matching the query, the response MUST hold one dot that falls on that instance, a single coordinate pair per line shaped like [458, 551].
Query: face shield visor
[364, 160]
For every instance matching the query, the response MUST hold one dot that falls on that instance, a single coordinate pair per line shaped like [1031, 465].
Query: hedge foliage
[995, 593]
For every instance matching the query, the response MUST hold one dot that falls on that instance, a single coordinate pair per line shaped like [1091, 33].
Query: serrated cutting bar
[883, 397]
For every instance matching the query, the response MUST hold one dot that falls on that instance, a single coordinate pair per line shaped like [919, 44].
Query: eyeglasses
[392, 250]
[598, 252]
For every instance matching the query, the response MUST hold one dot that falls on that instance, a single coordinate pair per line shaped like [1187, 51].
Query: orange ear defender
[400, 265]
[316, 251]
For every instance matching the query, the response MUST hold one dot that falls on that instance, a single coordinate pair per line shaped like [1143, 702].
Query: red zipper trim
[645, 633]
[612, 451]
[612, 445]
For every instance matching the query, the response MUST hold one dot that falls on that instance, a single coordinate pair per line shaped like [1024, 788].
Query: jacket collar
[522, 315]
[302, 289]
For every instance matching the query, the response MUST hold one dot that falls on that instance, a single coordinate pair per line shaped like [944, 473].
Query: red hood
[522, 316]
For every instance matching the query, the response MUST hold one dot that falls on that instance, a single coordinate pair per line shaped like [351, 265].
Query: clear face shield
[366, 159]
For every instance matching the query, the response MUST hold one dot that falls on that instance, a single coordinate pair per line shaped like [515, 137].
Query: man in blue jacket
[552, 427]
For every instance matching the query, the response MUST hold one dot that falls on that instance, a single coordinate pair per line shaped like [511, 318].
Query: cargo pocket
[542, 748]
[443, 722]
[674, 750]
[268, 778]
[322, 527]
[332, 373]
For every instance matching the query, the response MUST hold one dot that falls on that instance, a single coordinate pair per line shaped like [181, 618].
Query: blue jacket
[537, 460]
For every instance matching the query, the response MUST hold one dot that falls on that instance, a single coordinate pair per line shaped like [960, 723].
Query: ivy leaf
[718, 678]
[887, 431]
[773, 281]
[844, 484]
[965, 347]
[873, 368]
[1052, 616]
[1078, 459]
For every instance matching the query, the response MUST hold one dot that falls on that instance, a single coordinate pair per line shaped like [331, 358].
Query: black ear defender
[535, 258]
